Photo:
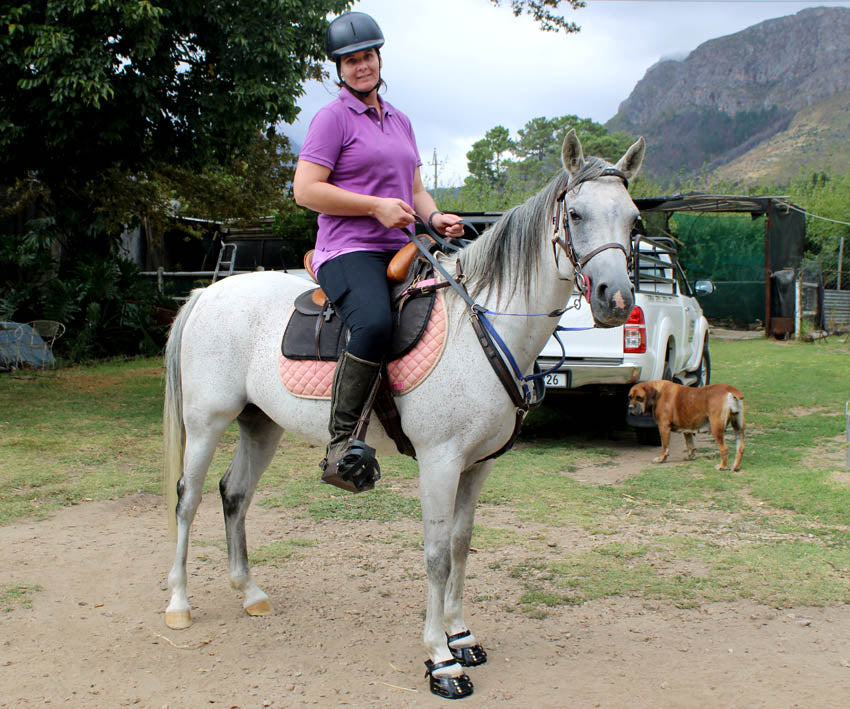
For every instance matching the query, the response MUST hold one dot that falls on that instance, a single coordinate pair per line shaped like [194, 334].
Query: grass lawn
[776, 532]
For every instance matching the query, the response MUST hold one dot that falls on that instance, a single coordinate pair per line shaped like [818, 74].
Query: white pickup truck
[665, 337]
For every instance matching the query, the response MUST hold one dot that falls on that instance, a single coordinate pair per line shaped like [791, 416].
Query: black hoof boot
[466, 656]
[355, 470]
[447, 687]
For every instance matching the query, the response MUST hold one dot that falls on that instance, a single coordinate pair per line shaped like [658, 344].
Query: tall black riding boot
[350, 463]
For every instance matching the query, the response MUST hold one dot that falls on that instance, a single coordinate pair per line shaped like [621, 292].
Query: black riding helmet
[352, 32]
[349, 33]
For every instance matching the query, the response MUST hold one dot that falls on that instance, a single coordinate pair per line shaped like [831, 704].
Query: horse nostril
[602, 292]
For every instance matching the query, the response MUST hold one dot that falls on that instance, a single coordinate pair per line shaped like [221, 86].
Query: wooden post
[798, 304]
[767, 275]
[840, 262]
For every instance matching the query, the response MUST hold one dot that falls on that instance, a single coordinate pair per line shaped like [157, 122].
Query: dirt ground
[348, 619]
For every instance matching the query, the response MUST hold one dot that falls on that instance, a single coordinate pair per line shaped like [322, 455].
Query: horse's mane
[505, 257]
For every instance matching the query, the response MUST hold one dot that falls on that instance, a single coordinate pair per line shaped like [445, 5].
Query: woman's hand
[447, 224]
[393, 213]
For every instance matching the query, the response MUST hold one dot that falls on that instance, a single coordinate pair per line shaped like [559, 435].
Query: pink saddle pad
[312, 379]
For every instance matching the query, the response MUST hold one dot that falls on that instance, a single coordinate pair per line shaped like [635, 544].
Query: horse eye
[574, 215]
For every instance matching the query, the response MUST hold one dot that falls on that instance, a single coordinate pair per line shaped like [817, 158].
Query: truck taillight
[634, 332]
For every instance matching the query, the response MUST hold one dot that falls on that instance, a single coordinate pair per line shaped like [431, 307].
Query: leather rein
[516, 383]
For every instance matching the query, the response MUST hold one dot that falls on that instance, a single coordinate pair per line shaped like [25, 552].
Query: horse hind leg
[201, 440]
[258, 440]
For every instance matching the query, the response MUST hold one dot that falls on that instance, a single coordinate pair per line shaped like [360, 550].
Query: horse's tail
[173, 432]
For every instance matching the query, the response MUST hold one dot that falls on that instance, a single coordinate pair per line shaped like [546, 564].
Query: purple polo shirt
[366, 155]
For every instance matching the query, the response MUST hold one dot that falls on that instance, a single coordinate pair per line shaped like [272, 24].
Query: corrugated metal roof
[699, 202]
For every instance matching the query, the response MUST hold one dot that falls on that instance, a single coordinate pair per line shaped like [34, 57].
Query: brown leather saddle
[397, 269]
[315, 332]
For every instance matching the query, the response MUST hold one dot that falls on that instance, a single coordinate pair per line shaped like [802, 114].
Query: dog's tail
[735, 407]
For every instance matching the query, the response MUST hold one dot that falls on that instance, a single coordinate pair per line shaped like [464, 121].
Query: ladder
[226, 259]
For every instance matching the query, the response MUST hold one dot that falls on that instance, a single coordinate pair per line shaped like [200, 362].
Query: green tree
[541, 10]
[486, 161]
[500, 142]
[87, 85]
[825, 196]
[497, 182]
[115, 111]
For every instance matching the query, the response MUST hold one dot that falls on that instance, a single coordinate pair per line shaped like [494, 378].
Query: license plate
[557, 380]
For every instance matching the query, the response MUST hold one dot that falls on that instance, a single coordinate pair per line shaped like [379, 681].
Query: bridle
[561, 221]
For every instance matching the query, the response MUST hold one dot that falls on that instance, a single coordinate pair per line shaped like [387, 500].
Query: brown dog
[688, 409]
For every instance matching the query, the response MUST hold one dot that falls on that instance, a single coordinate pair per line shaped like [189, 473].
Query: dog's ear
[651, 396]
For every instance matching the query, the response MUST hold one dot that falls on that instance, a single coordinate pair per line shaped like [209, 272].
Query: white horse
[222, 364]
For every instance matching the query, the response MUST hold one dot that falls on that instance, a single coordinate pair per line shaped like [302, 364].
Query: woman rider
[359, 168]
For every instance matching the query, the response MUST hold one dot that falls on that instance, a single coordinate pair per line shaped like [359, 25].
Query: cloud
[461, 67]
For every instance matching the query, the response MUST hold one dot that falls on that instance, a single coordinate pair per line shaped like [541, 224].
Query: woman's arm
[311, 189]
[446, 224]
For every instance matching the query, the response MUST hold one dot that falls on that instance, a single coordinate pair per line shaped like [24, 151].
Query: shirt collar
[357, 105]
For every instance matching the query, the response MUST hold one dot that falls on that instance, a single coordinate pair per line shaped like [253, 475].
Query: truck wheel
[704, 371]
[667, 373]
[649, 435]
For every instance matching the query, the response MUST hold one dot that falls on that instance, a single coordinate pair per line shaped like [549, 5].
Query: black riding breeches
[356, 284]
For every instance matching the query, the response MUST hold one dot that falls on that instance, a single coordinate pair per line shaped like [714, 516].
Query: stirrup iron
[356, 470]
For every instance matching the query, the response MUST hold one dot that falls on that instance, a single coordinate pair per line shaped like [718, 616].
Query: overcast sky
[459, 67]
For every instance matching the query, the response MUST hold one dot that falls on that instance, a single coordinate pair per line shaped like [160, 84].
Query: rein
[521, 395]
[515, 383]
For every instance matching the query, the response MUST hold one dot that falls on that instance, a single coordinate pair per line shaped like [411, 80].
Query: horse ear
[572, 156]
[630, 163]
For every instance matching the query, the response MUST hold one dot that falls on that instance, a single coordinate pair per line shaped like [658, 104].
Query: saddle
[315, 331]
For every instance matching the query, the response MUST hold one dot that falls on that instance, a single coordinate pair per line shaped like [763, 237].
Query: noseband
[561, 220]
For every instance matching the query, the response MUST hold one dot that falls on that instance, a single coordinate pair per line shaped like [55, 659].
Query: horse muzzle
[611, 302]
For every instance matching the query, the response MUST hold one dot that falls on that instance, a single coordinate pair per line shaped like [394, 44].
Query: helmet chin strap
[361, 94]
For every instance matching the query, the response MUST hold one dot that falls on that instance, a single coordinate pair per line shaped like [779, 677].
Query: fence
[729, 251]
[836, 308]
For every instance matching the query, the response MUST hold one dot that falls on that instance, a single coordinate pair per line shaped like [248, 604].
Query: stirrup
[466, 656]
[355, 470]
[447, 687]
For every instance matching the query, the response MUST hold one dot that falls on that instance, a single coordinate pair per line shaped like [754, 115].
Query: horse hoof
[470, 656]
[259, 608]
[178, 620]
[447, 687]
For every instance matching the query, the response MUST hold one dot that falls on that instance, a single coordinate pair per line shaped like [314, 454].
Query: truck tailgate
[593, 343]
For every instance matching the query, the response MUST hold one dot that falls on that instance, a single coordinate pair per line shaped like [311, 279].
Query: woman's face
[361, 70]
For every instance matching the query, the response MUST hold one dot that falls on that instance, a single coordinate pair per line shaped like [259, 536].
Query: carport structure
[784, 240]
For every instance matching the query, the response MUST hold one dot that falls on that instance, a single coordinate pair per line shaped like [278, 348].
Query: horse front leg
[462, 643]
[258, 441]
[438, 489]
[199, 448]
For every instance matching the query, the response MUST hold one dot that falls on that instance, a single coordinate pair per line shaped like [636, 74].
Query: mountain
[759, 104]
